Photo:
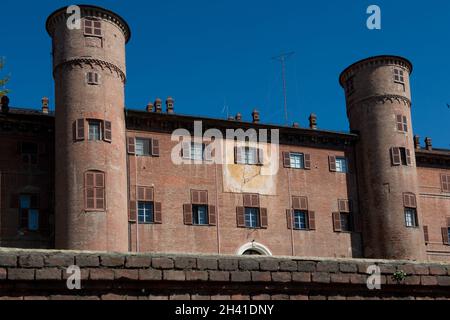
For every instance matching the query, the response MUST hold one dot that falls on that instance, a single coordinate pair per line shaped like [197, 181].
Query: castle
[94, 176]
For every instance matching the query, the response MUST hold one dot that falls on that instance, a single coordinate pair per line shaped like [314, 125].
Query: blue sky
[210, 53]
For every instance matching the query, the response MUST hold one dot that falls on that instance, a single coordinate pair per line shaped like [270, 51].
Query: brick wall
[33, 274]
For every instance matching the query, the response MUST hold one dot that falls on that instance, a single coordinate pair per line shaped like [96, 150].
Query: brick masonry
[33, 275]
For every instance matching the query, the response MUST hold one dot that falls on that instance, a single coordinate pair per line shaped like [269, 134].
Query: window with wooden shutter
[145, 194]
[155, 147]
[307, 160]
[186, 150]
[263, 219]
[426, 234]
[107, 131]
[408, 157]
[402, 123]
[289, 218]
[94, 191]
[409, 200]
[131, 145]
[240, 217]
[157, 217]
[332, 163]
[247, 200]
[255, 200]
[445, 236]
[199, 197]
[312, 220]
[286, 159]
[344, 205]
[93, 78]
[445, 182]
[132, 215]
[212, 215]
[300, 203]
[187, 213]
[79, 130]
[337, 221]
[396, 156]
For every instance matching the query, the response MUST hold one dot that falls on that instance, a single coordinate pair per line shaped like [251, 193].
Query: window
[92, 27]
[200, 214]
[399, 76]
[401, 156]
[142, 147]
[248, 156]
[95, 133]
[411, 218]
[300, 220]
[297, 160]
[93, 78]
[252, 217]
[29, 212]
[402, 123]
[341, 165]
[345, 220]
[94, 191]
[252, 252]
[445, 182]
[197, 151]
[145, 211]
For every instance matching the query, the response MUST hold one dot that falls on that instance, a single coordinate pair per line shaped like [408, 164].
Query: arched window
[94, 186]
[254, 248]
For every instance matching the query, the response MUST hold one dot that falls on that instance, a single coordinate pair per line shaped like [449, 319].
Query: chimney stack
[230, 118]
[5, 104]
[255, 115]
[416, 142]
[313, 121]
[158, 105]
[45, 105]
[149, 107]
[169, 105]
[429, 143]
[238, 116]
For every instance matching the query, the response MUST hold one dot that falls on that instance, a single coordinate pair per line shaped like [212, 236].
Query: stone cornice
[379, 99]
[91, 61]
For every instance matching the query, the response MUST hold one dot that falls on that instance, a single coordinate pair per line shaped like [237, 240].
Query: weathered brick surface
[87, 261]
[258, 276]
[7, 260]
[162, 263]
[185, 263]
[112, 260]
[248, 265]
[49, 274]
[240, 276]
[31, 261]
[59, 260]
[150, 274]
[138, 262]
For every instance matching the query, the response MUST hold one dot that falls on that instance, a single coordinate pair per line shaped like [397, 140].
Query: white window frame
[339, 167]
[300, 164]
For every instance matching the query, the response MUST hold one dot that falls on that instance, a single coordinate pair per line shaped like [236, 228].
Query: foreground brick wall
[31, 274]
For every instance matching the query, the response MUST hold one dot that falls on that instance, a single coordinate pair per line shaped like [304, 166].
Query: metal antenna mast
[282, 58]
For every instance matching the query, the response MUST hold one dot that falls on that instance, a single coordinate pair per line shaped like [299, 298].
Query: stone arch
[254, 247]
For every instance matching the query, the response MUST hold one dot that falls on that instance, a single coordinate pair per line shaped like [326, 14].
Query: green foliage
[399, 276]
[4, 80]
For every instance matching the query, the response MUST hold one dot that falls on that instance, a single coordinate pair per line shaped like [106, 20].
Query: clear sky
[211, 53]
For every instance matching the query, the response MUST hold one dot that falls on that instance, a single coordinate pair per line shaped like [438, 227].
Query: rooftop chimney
[296, 125]
[416, 142]
[45, 105]
[149, 107]
[238, 116]
[5, 104]
[230, 118]
[255, 115]
[429, 143]
[313, 121]
[158, 105]
[169, 105]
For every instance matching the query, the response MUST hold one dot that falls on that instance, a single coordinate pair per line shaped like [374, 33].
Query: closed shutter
[307, 158]
[131, 145]
[187, 213]
[395, 156]
[300, 203]
[238, 156]
[141, 194]
[337, 221]
[203, 197]
[445, 238]
[255, 200]
[212, 215]
[289, 218]
[186, 150]
[445, 182]
[199, 197]
[426, 234]
[264, 220]
[132, 211]
[399, 122]
[155, 147]
[409, 200]
[79, 129]
[240, 217]
[312, 220]
[157, 214]
[332, 161]
[100, 191]
[247, 200]
[408, 157]
[286, 159]
[296, 203]
[90, 195]
[344, 205]
[107, 131]
[149, 194]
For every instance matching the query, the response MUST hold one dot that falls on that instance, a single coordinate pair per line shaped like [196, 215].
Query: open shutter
[307, 158]
[445, 182]
[395, 155]
[426, 234]
[131, 145]
[264, 220]
[212, 215]
[332, 161]
[337, 221]
[247, 200]
[238, 158]
[155, 147]
[289, 218]
[157, 216]
[187, 213]
[312, 220]
[132, 211]
[399, 122]
[107, 131]
[408, 157]
[240, 217]
[286, 159]
[445, 238]
[405, 124]
[186, 150]
[79, 129]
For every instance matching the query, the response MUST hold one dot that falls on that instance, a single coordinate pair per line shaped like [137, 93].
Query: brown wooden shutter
[395, 155]
[344, 205]
[426, 234]
[132, 211]
[149, 194]
[445, 238]
[247, 200]
[296, 203]
[312, 220]
[448, 222]
[100, 191]
[212, 215]
[186, 150]
[107, 131]
[141, 194]
[408, 157]
[195, 196]
[79, 126]
[157, 214]
[399, 122]
[131, 145]
[409, 200]
[90, 195]
[289, 218]
[337, 221]
[307, 158]
[255, 200]
[286, 159]
[155, 147]
[332, 161]
[445, 182]
[187, 213]
[203, 197]
[240, 217]
[264, 219]
[304, 203]
[405, 124]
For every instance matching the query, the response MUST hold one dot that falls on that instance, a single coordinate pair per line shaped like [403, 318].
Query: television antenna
[282, 58]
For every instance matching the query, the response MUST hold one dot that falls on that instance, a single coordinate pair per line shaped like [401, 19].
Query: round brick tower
[379, 109]
[91, 181]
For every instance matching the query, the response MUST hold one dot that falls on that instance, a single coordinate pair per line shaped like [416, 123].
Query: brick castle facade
[96, 176]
